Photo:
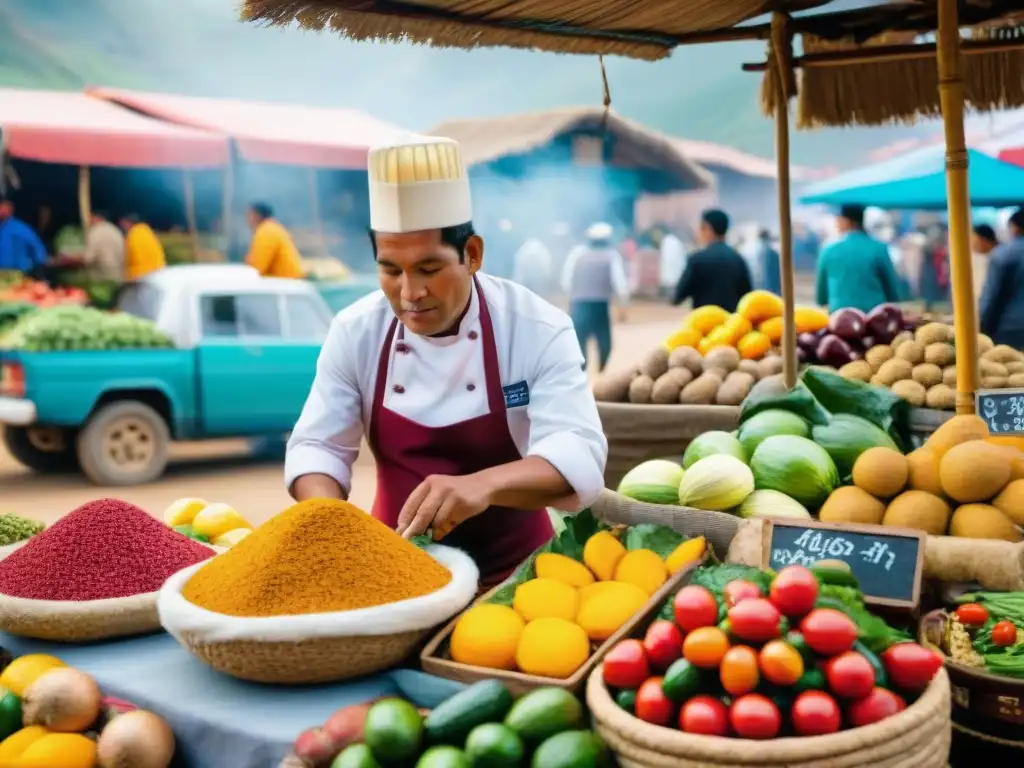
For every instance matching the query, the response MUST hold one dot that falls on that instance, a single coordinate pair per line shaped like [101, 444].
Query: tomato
[739, 590]
[850, 675]
[794, 591]
[911, 666]
[663, 644]
[738, 670]
[705, 715]
[755, 620]
[972, 614]
[815, 713]
[781, 663]
[828, 632]
[879, 704]
[705, 647]
[695, 607]
[1004, 633]
[626, 665]
[755, 717]
[653, 706]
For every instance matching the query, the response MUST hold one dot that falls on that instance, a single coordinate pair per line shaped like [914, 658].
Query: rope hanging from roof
[606, 95]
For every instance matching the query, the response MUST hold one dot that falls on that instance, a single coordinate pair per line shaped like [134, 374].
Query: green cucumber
[451, 721]
[682, 680]
[834, 572]
[543, 713]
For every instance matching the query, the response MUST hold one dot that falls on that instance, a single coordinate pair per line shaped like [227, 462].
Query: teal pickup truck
[245, 356]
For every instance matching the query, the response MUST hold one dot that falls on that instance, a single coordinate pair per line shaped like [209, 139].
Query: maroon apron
[499, 538]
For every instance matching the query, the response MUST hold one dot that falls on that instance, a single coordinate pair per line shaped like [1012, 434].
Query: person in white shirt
[468, 388]
[531, 266]
[594, 274]
[673, 262]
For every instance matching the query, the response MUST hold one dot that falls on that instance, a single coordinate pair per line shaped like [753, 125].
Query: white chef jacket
[442, 382]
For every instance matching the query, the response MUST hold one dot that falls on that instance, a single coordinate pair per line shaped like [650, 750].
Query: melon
[974, 471]
[919, 510]
[881, 471]
[959, 429]
[1010, 501]
[982, 521]
[851, 504]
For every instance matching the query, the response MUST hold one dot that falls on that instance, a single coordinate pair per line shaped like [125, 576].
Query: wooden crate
[434, 657]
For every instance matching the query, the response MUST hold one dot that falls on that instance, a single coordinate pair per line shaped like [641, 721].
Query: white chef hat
[418, 183]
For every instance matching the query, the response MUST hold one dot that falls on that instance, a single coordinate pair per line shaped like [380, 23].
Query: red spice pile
[106, 548]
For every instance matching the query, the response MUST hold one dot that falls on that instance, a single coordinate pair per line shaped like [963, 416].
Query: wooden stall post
[190, 213]
[951, 94]
[782, 50]
[84, 197]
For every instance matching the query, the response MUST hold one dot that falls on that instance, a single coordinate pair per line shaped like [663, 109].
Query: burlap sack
[637, 433]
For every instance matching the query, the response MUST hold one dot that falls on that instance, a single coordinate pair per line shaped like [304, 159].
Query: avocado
[356, 756]
[443, 757]
[394, 731]
[485, 702]
[493, 745]
[543, 713]
[572, 749]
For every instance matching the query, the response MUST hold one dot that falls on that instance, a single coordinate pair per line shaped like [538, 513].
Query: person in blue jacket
[21, 249]
[1002, 299]
[856, 270]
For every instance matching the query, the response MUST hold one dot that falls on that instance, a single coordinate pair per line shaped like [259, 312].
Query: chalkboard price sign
[1002, 410]
[887, 562]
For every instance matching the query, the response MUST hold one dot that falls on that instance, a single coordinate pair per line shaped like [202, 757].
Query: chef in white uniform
[469, 389]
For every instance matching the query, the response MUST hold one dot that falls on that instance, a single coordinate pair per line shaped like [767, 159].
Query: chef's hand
[441, 502]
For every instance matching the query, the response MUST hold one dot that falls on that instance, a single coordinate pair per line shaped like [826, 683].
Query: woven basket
[293, 650]
[72, 621]
[918, 737]
[637, 433]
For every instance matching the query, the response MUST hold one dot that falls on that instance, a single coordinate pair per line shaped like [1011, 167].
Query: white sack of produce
[178, 615]
[655, 481]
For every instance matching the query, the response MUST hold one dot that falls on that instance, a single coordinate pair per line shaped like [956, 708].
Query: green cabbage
[711, 444]
[847, 436]
[797, 467]
[772, 504]
[717, 482]
[655, 481]
[768, 423]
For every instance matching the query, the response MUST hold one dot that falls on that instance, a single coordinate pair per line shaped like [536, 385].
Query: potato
[719, 373]
[1014, 366]
[725, 358]
[669, 385]
[1015, 380]
[989, 368]
[640, 389]
[910, 391]
[878, 355]
[994, 382]
[901, 337]
[927, 374]
[688, 358]
[613, 387]
[949, 376]
[985, 343]
[894, 370]
[858, 370]
[932, 333]
[1002, 354]
[701, 391]
[940, 354]
[655, 363]
[735, 388]
[940, 396]
[751, 367]
[770, 366]
[911, 351]
[875, 381]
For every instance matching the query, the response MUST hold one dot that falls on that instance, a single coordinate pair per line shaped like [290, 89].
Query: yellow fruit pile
[961, 482]
[557, 616]
[753, 329]
[219, 524]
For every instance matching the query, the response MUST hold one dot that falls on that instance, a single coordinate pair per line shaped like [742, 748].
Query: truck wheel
[124, 443]
[42, 449]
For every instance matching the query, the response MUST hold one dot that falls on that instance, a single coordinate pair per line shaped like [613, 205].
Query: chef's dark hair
[263, 210]
[456, 237]
[853, 214]
[717, 220]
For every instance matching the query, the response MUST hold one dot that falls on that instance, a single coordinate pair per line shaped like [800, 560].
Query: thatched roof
[487, 139]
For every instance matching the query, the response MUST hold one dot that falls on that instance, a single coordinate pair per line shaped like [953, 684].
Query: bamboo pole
[951, 93]
[190, 212]
[84, 197]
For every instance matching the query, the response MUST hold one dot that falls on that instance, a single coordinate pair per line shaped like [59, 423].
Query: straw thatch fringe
[779, 77]
[901, 91]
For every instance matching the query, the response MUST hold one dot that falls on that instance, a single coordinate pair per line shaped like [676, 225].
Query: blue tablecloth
[221, 722]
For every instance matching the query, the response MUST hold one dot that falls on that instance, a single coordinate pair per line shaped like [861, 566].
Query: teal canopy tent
[917, 181]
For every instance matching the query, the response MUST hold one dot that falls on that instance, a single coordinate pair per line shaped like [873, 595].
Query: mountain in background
[199, 47]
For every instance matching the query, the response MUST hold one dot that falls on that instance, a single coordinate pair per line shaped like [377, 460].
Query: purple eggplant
[848, 323]
[834, 351]
[884, 322]
[807, 342]
[803, 356]
[868, 342]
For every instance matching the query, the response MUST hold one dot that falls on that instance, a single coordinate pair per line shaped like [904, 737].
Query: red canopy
[75, 129]
[270, 133]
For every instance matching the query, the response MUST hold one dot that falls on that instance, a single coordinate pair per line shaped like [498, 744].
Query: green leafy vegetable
[847, 436]
[1000, 605]
[658, 538]
[878, 405]
[771, 393]
[422, 541]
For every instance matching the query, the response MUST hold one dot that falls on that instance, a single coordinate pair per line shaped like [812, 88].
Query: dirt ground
[223, 471]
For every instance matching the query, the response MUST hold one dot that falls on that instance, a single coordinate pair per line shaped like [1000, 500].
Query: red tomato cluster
[738, 669]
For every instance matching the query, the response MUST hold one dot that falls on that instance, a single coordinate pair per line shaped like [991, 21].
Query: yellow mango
[19, 675]
[602, 618]
[183, 512]
[59, 750]
[552, 647]
[689, 551]
[643, 568]
[231, 538]
[216, 520]
[562, 568]
[14, 746]
[487, 635]
[546, 598]
[602, 554]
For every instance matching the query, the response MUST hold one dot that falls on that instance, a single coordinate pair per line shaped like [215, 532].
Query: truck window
[305, 320]
[140, 299]
[250, 314]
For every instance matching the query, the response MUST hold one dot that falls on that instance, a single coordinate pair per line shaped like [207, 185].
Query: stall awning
[270, 133]
[917, 181]
[74, 129]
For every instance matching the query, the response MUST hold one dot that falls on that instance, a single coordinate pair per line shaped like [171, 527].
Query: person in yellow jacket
[272, 251]
[143, 251]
